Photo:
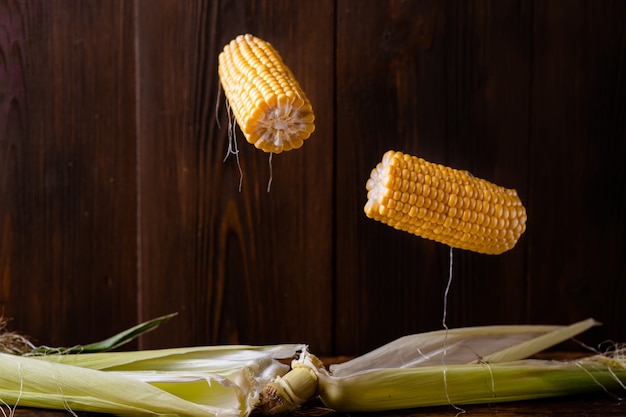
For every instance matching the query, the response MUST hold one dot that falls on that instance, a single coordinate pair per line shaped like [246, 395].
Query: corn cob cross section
[269, 105]
[444, 204]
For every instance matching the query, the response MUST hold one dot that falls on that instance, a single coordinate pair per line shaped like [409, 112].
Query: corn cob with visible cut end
[289, 392]
[444, 204]
[269, 105]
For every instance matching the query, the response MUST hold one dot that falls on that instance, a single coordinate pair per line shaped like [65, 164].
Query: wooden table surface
[594, 405]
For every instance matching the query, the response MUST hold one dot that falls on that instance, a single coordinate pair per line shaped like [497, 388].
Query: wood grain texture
[116, 204]
[577, 177]
[241, 267]
[442, 81]
[372, 107]
[595, 405]
[529, 95]
[67, 173]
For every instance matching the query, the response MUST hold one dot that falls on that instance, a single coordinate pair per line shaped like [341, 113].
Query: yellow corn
[269, 105]
[444, 204]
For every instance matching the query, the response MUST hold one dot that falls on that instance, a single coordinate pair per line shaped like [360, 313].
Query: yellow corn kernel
[269, 105]
[455, 208]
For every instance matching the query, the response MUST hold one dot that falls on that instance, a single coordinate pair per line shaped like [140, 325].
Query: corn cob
[269, 105]
[444, 204]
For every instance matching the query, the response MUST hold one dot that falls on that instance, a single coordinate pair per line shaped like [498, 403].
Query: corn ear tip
[289, 392]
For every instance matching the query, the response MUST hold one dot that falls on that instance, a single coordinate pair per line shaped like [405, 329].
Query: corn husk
[463, 346]
[32, 382]
[108, 344]
[456, 366]
[386, 389]
[466, 366]
[197, 381]
[205, 380]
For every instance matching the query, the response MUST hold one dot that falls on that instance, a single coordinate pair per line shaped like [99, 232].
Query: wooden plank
[577, 178]
[240, 267]
[67, 177]
[487, 55]
[377, 295]
[447, 82]
[594, 405]
[526, 94]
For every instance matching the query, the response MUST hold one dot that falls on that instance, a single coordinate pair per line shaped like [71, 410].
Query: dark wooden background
[116, 205]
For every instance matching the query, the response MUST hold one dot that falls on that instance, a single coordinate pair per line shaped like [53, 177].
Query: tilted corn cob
[269, 105]
[444, 204]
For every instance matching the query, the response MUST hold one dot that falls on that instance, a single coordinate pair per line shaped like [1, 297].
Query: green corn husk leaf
[389, 389]
[208, 359]
[197, 381]
[108, 344]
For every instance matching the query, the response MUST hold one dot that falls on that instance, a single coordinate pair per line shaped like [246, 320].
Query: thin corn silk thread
[217, 104]
[19, 397]
[233, 149]
[12, 342]
[232, 142]
[614, 396]
[66, 405]
[15, 344]
[269, 182]
[447, 290]
[2, 405]
[445, 339]
[615, 353]
[493, 381]
[619, 381]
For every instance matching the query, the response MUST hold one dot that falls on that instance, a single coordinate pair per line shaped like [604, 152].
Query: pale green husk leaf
[464, 345]
[469, 384]
[198, 381]
[467, 366]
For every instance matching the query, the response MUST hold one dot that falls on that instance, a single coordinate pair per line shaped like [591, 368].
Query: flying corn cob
[444, 204]
[269, 105]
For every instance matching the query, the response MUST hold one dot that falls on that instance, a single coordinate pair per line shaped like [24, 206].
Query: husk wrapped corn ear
[457, 366]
